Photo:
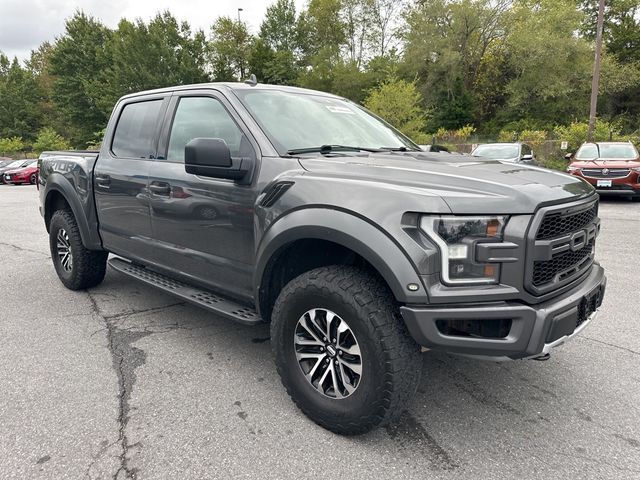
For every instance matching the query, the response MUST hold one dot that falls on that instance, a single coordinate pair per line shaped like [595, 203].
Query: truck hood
[466, 184]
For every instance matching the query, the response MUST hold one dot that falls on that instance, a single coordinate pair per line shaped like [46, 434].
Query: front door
[121, 175]
[203, 227]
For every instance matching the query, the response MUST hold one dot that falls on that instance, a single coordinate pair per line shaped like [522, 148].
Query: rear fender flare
[58, 183]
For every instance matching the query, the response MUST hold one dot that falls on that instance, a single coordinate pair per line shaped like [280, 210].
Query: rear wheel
[342, 351]
[77, 267]
[33, 178]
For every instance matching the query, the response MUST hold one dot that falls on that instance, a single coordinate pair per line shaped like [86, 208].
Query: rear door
[121, 176]
[202, 226]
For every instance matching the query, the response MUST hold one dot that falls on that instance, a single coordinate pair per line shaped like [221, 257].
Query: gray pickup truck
[274, 204]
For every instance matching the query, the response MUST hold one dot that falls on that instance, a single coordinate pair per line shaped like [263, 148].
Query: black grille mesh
[555, 224]
[544, 272]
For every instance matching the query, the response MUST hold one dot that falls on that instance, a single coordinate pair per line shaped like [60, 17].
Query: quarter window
[204, 117]
[135, 133]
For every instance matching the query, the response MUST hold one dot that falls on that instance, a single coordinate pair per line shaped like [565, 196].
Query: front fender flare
[350, 231]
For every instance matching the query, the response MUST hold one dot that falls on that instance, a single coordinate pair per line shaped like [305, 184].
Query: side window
[526, 149]
[204, 117]
[135, 131]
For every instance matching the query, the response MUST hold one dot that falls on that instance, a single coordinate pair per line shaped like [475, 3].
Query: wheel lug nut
[322, 349]
[340, 352]
[324, 339]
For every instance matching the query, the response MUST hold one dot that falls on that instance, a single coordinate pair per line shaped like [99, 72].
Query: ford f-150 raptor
[299, 208]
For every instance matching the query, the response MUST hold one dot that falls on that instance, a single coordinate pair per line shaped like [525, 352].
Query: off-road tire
[89, 266]
[391, 360]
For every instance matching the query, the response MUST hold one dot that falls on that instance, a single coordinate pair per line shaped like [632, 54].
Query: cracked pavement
[123, 381]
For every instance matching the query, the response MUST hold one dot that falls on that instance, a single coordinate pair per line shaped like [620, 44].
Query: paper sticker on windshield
[338, 109]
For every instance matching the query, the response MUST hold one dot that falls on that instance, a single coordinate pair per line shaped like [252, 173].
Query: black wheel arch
[343, 229]
[60, 194]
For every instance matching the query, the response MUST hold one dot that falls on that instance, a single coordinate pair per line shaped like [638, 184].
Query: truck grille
[562, 241]
[605, 172]
[565, 263]
[555, 224]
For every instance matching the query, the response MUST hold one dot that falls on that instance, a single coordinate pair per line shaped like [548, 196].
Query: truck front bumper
[534, 329]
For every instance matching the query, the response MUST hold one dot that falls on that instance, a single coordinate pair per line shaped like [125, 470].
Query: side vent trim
[274, 193]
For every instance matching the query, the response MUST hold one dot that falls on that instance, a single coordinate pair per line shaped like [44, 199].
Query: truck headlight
[457, 237]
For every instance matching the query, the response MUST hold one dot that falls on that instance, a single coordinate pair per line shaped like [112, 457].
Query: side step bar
[202, 298]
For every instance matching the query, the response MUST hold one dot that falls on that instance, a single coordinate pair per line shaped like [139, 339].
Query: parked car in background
[612, 167]
[516, 152]
[25, 174]
[12, 166]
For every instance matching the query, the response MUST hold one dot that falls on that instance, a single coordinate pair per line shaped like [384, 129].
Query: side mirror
[527, 158]
[568, 156]
[211, 157]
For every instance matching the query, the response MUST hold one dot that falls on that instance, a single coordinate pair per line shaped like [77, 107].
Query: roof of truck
[229, 86]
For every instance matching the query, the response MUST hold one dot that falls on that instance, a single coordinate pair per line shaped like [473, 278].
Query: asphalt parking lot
[123, 381]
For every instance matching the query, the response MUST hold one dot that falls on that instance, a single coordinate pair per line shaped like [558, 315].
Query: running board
[202, 298]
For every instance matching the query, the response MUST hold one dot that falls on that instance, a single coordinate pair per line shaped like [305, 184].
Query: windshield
[497, 152]
[295, 121]
[607, 151]
[15, 164]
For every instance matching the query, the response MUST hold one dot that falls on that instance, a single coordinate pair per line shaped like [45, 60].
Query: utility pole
[596, 73]
[239, 10]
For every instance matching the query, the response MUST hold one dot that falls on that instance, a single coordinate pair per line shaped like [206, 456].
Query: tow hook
[543, 358]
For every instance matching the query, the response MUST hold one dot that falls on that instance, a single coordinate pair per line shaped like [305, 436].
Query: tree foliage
[430, 66]
[398, 102]
[48, 139]
[11, 146]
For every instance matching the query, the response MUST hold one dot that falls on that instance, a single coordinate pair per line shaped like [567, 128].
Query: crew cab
[358, 248]
[613, 168]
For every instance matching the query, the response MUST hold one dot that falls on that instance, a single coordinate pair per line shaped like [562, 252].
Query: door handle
[160, 188]
[103, 181]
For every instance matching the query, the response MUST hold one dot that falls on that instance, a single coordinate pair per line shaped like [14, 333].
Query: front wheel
[77, 267]
[342, 351]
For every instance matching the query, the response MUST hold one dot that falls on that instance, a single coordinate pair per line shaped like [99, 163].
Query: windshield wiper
[331, 148]
[398, 149]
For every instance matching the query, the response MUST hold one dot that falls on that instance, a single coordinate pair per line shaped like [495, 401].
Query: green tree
[78, 62]
[11, 146]
[159, 54]
[279, 30]
[229, 49]
[275, 53]
[20, 99]
[323, 31]
[445, 43]
[398, 102]
[552, 66]
[48, 139]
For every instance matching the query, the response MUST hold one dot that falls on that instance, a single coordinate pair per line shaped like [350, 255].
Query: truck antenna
[252, 80]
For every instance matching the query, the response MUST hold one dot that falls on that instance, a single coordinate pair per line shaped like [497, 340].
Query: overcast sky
[25, 24]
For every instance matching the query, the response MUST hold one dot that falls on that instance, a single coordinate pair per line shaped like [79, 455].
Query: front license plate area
[604, 183]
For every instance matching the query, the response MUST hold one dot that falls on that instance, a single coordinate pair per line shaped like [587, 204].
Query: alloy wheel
[328, 353]
[64, 250]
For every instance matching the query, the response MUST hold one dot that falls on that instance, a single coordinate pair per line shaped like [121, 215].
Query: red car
[26, 174]
[613, 168]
